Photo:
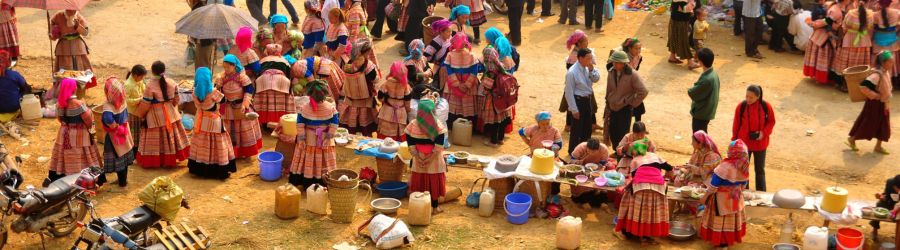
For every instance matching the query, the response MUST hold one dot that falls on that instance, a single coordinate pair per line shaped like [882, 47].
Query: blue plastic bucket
[270, 165]
[392, 189]
[517, 206]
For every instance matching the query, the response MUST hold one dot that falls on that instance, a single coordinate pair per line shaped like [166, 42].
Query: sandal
[881, 150]
[851, 145]
[675, 61]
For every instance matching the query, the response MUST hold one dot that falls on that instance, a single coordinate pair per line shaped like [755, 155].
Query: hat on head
[619, 57]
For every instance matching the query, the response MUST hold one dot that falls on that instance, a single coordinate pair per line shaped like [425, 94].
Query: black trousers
[752, 35]
[515, 23]
[759, 168]
[581, 128]
[496, 131]
[738, 9]
[619, 125]
[593, 13]
[255, 8]
[380, 17]
[122, 178]
[697, 125]
[546, 7]
[779, 32]
[273, 9]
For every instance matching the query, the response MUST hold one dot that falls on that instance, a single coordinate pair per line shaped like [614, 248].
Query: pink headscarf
[706, 141]
[115, 92]
[399, 71]
[66, 89]
[459, 41]
[439, 26]
[575, 38]
[244, 38]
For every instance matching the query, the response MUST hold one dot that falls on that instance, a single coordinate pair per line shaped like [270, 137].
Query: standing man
[579, 92]
[705, 93]
[546, 7]
[738, 17]
[255, 7]
[593, 13]
[380, 16]
[515, 20]
[624, 91]
[753, 27]
[273, 9]
[568, 11]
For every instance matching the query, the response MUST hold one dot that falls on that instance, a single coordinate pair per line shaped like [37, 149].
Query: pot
[681, 231]
[881, 213]
[389, 146]
[386, 205]
[785, 246]
[507, 163]
[868, 212]
[789, 198]
[571, 170]
[462, 157]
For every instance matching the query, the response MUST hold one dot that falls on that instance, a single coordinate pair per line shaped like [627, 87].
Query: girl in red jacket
[754, 120]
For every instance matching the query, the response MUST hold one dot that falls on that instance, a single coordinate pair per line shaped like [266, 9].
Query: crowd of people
[326, 73]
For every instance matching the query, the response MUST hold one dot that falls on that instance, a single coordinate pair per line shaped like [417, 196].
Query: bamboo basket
[331, 178]
[426, 28]
[343, 202]
[853, 76]
[98, 124]
[390, 170]
[501, 187]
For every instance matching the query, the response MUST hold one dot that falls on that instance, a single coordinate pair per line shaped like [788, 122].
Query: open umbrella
[215, 21]
[48, 5]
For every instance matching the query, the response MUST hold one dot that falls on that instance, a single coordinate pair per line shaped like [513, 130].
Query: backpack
[765, 108]
[505, 93]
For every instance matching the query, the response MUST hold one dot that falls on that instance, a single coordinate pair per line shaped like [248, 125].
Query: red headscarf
[398, 72]
[66, 89]
[115, 92]
[244, 38]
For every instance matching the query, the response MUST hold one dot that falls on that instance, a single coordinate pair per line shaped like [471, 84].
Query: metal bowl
[681, 231]
[785, 246]
[386, 205]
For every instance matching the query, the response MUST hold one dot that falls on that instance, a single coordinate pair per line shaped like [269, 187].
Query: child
[700, 29]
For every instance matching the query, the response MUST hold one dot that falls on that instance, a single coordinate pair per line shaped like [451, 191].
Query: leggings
[122, 178]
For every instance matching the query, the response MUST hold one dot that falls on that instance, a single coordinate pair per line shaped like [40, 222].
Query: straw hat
[619, 57]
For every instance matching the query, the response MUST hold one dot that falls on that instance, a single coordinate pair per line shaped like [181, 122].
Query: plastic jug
[462, 132]
[317, 199]
[403, 151]
[419, 209]
[815, 238]
[486, 202]
[31, 108]
[568, 233]
[289, 124]
[287, 201]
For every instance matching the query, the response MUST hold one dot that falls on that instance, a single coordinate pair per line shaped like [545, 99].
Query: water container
[419, 209]
[462, 132]
[568, 233]
[849, 239]
[317, 199]
[787, 231]
[815, 238]
[270, 165]
[517, 205]
[287, 201]
[486, 203]
[31, 108]
[403, 151]
[289, 124]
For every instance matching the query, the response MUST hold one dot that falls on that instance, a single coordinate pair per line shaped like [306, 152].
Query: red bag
[505, 93]
[368, 174]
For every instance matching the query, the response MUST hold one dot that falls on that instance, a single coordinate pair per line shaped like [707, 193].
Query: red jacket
[753, 120]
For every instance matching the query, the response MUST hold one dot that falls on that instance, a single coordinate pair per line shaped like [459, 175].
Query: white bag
[387, 232]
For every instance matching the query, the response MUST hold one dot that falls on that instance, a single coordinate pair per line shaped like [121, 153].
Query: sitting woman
[212, 155]
[638, 132]
[591, 151]
[535, 135]
[706, 156]
[887, 199]
[723, 224]
[644, 209]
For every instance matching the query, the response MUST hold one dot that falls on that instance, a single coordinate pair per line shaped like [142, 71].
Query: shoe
[574, 23]
[548, 14]
[563, 22]
[376, 38]
[756, 56]
[477, 41]
[779, 50]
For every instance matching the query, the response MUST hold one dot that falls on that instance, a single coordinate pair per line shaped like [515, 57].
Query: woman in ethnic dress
[134, 94]
[74, 148]
[417, 68]
[885, 36]
[212, 155]
[395, 96]
[317, 123]
[68, 27]
[244, 52]
[280, 35]
[644, 209]
[163, 141]
[820, 51]
[336, 35]
[462, 79]
[358, 106]
[273, 98]
[356, 19]
[9, 31]
[856, 48]
[313, 30]
[723, 224]
[436, 50]
[118, 146]
[426, 136]
[873, 121]
[705, 158]
[495, 121]
[240, 121]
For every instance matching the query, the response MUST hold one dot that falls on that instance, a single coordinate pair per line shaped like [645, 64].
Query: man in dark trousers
[516, 7]
[380, 17]
[256, 10]
[738, 17]
[705, 93]
[579, 92]
[546, 7]
[273, 9]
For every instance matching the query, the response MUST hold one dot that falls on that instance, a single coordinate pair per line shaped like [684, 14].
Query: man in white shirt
[753, 27]
[579, 92]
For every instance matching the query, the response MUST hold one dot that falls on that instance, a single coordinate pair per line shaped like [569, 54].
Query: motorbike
[56, 209]
[500, 6]
[130, 230]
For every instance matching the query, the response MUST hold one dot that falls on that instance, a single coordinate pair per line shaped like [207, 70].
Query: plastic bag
[387, 232]
[163, 196]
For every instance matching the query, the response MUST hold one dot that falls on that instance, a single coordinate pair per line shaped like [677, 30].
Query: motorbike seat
[59, 189]
[138, 219]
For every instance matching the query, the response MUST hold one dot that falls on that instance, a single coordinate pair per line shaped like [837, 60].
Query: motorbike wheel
[67, 224]
[499, 6]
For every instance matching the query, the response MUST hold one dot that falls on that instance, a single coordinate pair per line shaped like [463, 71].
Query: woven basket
[501, 187]
[331, 178]
[853, 76]
[426, 28]
[343, 202]
[390, 170]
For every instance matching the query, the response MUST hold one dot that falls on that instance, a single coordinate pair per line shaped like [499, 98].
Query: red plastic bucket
[849, 239]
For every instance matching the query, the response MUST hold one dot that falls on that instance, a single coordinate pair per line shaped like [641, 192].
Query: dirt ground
[126, 32]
